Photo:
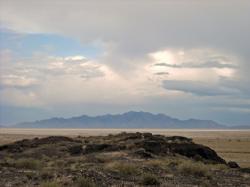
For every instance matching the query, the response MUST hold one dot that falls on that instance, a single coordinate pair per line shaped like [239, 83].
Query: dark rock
[147, 134]
[3, 147]
[179, 139]
[20, 146]
[131, 136]
[143, 153]
[76, 149]
[232, 164]
[151, 146]
[245, 170]
[53, 140]
[90, 148]
[145, 144]
[193, 150]
[159, 145]
[96, 147]
[157, 138]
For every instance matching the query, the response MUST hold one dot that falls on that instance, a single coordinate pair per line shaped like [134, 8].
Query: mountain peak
[130, 119]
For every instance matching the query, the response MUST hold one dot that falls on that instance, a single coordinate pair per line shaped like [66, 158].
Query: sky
[183, 58]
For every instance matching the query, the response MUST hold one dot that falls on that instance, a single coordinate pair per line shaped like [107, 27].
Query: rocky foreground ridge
[125, 159]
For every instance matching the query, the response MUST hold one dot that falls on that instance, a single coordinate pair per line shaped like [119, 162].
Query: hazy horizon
[121, 126]
[185, 59]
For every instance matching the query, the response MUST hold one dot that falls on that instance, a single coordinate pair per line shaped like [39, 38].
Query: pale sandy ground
[230, 144]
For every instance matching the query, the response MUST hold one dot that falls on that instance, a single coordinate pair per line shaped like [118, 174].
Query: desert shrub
[30, 175]
[8, 161]
[50, 184]
[84, 182]
[60, 163]
[123, 168]
[198, 169]
[93, 158]
[206, 183]
[103, 158]
[164, 163]
[156, 163]
[149, 179]
[45, 158]
[27, 163]
[219, 166]
[46, 174]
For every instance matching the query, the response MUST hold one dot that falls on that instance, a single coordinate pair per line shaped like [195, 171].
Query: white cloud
[75, 58]
[198, 46]
[58, 81]
[202, 72]
[11, 80]
[90, 80]
[205, 65]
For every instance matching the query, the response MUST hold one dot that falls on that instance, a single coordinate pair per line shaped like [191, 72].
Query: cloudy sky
[187, 59]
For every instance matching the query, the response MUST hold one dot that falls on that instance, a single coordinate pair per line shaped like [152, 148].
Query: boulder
[143, 153]
[193, 150]
[178, 139]
[233, 164]
[75, 150]
[151, 146]
[90, 148]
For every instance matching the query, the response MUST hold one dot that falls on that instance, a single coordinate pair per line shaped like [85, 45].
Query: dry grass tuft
[27, 163]
[126, 169]
[50, 184]
[150, 180]
[197, 169]
[84, 182]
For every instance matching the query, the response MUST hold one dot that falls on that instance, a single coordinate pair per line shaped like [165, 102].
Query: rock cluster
[145, 145]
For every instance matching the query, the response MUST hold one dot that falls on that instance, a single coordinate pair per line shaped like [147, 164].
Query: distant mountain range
[126, 120]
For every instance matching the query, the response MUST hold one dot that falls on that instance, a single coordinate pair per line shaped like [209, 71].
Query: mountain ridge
[131, 119]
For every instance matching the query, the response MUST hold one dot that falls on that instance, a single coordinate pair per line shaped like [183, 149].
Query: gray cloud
[127, 31]
[199, 88]
[162, 73]
[136, 27]
[208, 64]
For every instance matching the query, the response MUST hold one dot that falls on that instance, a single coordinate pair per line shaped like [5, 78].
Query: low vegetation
[197, 169]
[28, 163]
[123, 168]
[50, 184]
[84, 182]
[126, 159]
[149, 180]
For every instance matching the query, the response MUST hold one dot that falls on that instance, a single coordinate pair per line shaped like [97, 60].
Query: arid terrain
[229, 144]
[109, 158]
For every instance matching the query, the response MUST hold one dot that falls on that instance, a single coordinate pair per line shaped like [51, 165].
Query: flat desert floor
[231, 145]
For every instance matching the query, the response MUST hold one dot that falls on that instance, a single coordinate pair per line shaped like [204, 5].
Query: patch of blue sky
[26, 45]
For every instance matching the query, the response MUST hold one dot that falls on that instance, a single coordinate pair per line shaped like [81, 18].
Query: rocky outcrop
[145, 145]
[22, 145]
